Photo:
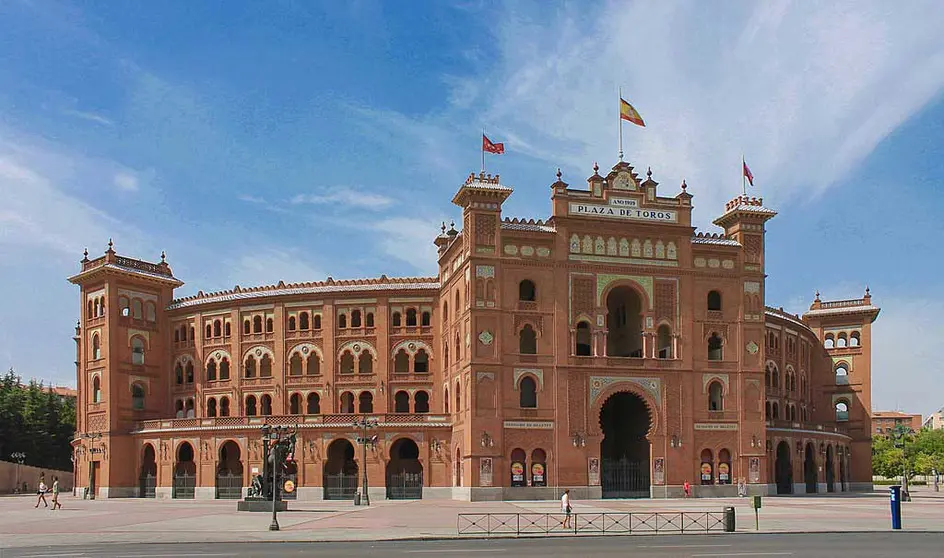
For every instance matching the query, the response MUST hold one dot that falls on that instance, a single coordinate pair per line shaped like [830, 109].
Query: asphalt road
[825, 545]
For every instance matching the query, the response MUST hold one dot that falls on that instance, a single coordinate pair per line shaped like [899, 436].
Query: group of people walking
[42, 490]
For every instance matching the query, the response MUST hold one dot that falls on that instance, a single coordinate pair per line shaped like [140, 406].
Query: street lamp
[91, 437]
[364, 423]
[278, 441]
[900, 435]
[578, 440]
[487, 440]
[19, 457]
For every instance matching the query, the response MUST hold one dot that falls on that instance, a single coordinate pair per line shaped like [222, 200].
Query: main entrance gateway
[340, 471]
[404, 472]
[625, 449]
[784, 469]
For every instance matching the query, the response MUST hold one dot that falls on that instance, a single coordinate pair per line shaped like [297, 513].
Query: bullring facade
[609, 349]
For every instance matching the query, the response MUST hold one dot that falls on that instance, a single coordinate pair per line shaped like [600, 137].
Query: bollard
[729, 519]
[357, 498]
[895, 493]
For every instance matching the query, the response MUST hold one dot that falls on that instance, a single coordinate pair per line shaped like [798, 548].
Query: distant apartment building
[883, 422]
[935, 420]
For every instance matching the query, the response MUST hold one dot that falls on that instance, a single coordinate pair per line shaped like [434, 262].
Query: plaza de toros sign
[622, 208]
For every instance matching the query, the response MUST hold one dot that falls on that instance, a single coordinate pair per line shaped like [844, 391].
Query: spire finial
[817, 295]
[867, 292]
[443, 227]
[163, 257]
[110, 244]
[85, 254]
[559, 174]
[684, 186]
[596, 168]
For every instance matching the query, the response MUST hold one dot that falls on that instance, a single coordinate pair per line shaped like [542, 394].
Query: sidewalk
[132, 520]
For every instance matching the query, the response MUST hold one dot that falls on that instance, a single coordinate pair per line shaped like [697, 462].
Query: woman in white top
[42, 494]
[565, 509]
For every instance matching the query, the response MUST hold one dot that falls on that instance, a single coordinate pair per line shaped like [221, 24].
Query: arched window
[101, 306]
[528, 393]
[583, 337]
[347, 363]
[123, 306]
[183, 333]
[217, 328]
[775, 409]
[193, 334]
[250, 367]
[211, 407]
[365, 364]
[303, 321]
[347, 402]
[842, 411]
[96, 347]
[91, 311]
[842, 374]
[342, 321]
[269, 325]
[446, 353]
[411, 317]
[137, 312]
[224, 406]
[458, 398]
[768, 411]
[714, 347]
[365, 402]
[518, 467]
[369, 319]
[96, 390]
[715, 396]
[295, 365]
[313, 365]
[527, 292]
[227, 329]
[355, 318]
[828, 343]
[265, 367]
[425, 319]
[291, 323]
[664, 341]
[395, 319]
[189, 372]
[179, 409]
[624, 321]
[707, 467]
[317, 321]
[176, 336]
[458, 302]
[209, 331]
[137, 397]
[150, 312]
[724, 467]
[266, 404]
[458, 348]
[445, 399]
[421, 362]
[421, 402]
[445, 311]
[224, 369]
[295, 404]
[853, 339]
[538, 467]
[137, 350]
[527, 340]
[401, 362]
[179, 373]
[401, 402]
[313, 404]
[190, 408]
[247, 326]
[257, 324]
[251, 406]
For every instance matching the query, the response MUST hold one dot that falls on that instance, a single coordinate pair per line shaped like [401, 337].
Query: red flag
[496, 148]
[747, 173]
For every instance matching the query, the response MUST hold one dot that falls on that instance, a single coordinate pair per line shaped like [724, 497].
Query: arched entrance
[830, 472]
[289, 473]
[404, 471]
[148, 477]
[340, 471]
[229, 472]
[809, 469]
[783, 469]
[185, 473]
[624, 451]
[624, 323]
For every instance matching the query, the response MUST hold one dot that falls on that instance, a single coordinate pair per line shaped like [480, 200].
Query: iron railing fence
[631, 523]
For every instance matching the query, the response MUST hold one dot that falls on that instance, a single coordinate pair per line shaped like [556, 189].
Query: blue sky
[258, 142]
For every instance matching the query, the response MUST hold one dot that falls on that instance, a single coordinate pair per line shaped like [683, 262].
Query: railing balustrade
[592, 524]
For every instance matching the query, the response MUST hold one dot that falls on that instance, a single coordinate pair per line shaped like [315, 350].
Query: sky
[287, 140]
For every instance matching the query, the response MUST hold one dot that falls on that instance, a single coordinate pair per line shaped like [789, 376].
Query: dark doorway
[809, 469]
[842, 471]
[830, 473]
[624, 323]
[404, 472]
[289, 472]
[229, 472]
[340, 471]
[624, 451]
[148, 478]
[185, 473]
[783, 469]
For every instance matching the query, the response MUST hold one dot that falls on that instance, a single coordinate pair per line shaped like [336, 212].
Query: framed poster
[724, 473]
[538, 477]
[658, 471]
[593, 468]
[517, 474]
[485, 471]
[754, 471]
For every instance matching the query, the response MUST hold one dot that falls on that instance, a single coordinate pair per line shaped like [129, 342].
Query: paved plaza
[195, 521]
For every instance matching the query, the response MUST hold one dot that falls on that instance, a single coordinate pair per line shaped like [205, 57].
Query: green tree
[35, 421]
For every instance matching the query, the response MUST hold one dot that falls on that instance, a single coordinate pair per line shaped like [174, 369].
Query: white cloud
[126, 181]
[411, 241]
[346, 197]
[268, 266]
[90, 116]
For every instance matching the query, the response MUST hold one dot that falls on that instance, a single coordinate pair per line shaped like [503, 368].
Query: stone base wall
[29, 475]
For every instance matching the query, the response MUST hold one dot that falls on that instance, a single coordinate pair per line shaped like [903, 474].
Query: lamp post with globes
[19, 457]
[278, 441]
[364, 424]
[91, 437]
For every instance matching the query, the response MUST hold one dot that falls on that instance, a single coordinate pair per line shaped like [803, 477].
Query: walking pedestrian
[688, 489]
[55, 494]
[566, 509]
[41, 491]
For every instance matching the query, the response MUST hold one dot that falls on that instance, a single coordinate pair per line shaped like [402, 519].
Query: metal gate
[184, 486]
[228, 486]
[340, 487]
[147, 486]
[624, 479]
[405, 486]
[293, 495]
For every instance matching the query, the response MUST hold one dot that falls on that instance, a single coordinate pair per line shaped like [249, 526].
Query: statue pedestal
[260, 505]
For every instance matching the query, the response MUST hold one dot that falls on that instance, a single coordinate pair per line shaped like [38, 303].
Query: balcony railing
[417, 420]
[799, 425]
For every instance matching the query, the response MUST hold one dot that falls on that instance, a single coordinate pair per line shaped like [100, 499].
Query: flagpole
[743, 177]
[483, 149]
[619, 121]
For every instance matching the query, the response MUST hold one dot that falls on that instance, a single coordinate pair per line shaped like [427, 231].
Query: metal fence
[634, 523]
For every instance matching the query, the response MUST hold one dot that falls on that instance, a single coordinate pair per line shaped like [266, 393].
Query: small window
[583, 340]
[714, 301]
[137, 350]
[347, 363]
[421, 362]
[302, 321]
[527, 292]
[664, 342]
[401, 402]
[829, 342]
[96, 347]
[313, 404]
[527, 341]
[347, 402]
[124, 307]
[401, 362]
[209, 331]
[841, 341]
[365, 363]
[211, 407]
[247, 327]
[179, 373]
[96, 390]
[528, 393]
[421, 402]
[842, 411]
[265, 367]
[395, 319]
[295, 365]
[189, 371]
[715, 347]
[137, 397]
[149, 312]
[853, 339]
[217, 328]
[411, 317]
[291, 323]
[715, 397]
[211, 370]
[137, 311]
[369, 320]
[257, 324]
[342, 321]
[355, 318]
[295, 404]
[842, 375]
[269, 325]
[251, 406]
[224, 369]
[224, 406]
[426, 319]
[227, 330]
[250, 371]
[266, 405]
[365, 402]
[317, 321]
[313, 366]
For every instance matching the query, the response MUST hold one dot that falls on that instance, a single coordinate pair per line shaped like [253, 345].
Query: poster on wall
[706, 473]
[485, 471]
[517, 474]
[754, 474]
[593, 468]
[724, 473]
[537, 475]
[658, 471]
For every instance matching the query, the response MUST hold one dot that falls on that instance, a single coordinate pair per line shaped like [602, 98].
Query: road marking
[690, 546]
[742, 554]
[50, 555]
[463, 550]
[168, 555]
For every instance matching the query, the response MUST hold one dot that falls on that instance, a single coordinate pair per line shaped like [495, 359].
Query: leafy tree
[921, 452]
[35, 421]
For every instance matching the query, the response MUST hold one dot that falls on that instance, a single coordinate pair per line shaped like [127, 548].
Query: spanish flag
[627, 112]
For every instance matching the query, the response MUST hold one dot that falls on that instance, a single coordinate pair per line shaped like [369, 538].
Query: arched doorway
[340, 471]
[783, 469]
[809, 469]
[830, 472]
[229, 472]
[624, 323]
[624, 451]
[289, 473]
[148, 478]
[404, 471]
[185, 473]
[538, 467]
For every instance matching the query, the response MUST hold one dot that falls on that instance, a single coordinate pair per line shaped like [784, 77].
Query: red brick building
[884, 422]
[609, 349]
